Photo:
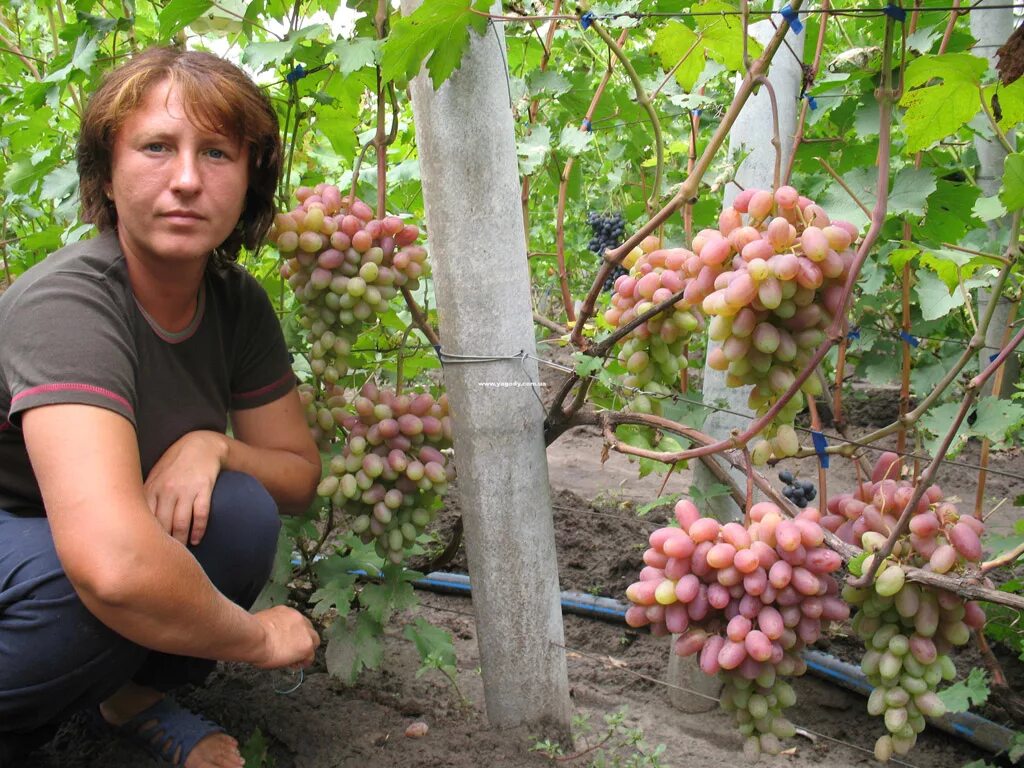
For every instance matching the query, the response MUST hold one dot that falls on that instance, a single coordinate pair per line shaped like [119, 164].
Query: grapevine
[909, 629]
[748, 599]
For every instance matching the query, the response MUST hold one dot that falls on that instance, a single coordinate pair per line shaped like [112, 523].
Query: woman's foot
[215, 750]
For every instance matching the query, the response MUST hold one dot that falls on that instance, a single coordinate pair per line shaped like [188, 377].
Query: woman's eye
[217, 154]
[154, 147]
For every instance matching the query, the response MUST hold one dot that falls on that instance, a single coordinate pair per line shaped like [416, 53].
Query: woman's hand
[180, 484]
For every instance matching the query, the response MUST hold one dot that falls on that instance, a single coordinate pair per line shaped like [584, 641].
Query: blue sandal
[167, 731]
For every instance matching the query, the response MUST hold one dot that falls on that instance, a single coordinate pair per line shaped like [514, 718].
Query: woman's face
[179, 189]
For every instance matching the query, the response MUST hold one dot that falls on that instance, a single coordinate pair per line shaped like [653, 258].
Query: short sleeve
[67, 340]
[261, 371]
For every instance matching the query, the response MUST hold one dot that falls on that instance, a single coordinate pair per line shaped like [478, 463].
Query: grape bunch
[607, 230]
[748, 599]
[776, 283]
[908, 629]
[391, 471]
[800, 492]
[344, 266]
[654, 350]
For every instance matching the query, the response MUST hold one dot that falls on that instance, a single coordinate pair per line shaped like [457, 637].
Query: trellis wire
[674, 397]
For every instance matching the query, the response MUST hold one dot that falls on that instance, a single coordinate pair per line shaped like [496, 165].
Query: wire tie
[992, 357]
[696, 112]
[853, 333]
[812, 102]
[911, 340]
[895, 12]
[587, 19]
[820, 444]
[793, 18]
[296, 74]
[588, 126]
[294, 688]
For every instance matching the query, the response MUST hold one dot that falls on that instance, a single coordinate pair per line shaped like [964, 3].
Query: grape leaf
[1012, 194]
[395, 593]
[973, 691]
[1011, 102]
[910, 190]
[668, 499]
[434, 645]
[356, 54]
[548, 82]
[254, 750]
[837, 201]
[949, 212]
[936, 111]
[937, 421]
[177, 14]
[723, 35]
[996, 418]
[670, 43]
[573, 140]
[989, 208]
[934, 295]
[352, 645]
[437, 32]
[336, 593]
[533, 149]
[260, 55]
[950, 67]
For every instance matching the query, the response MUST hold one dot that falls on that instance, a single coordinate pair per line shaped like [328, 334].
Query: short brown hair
[217, 96]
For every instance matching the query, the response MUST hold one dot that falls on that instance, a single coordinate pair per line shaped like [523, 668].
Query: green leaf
[701, 496]
[934, 295]
[437, 32]
[723, 35]
[1012, 194]
[573, 140]
[910, 190]
[989, 208]
[666, 500]
[60, 182]
[587, 365]
[997, 419]
[254, 751]
[261, 55]
[353, 645]
[433, 643]
[178, 14]
[670, 43]
[337, 593]
[959, 697]
[24, 174]
[547, 81]
[394, 593]
[937, 421]
[900, 257]
[356, 54]
[863, 182]
[935, 112]
[949, 212]
[533, 149]
[856, 565]
[1011, 102]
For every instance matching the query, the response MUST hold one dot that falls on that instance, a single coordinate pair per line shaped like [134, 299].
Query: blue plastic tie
[992, 357]
[587, 126]
[587, 19]
[895, 12]
[793, 18]
[820, 444]
[853, 333]
[911, 340]
[697, 112]
[812, 102]
[296, 74]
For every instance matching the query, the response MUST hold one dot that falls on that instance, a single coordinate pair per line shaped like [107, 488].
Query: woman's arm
[128, 572]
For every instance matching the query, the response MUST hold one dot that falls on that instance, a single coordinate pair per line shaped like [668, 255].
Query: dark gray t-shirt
[72, 332]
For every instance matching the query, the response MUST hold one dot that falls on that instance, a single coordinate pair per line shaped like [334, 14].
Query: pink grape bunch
[908, 629]
[654, 350]
[781, 265]
[747, 599]
[392, 471]
[344, 266]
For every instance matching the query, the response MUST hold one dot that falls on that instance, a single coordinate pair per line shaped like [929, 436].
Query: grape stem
[419, 318]
[776, 141]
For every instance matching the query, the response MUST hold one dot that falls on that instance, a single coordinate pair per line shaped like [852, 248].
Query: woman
[134, 533]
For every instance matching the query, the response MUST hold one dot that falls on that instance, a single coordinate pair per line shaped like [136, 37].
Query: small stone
[417, 730]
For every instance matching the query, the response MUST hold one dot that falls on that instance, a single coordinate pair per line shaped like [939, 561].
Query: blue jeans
[57, 658]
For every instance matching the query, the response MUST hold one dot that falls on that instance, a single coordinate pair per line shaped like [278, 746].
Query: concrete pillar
[752, 133]
[991, 28]
[467, 152]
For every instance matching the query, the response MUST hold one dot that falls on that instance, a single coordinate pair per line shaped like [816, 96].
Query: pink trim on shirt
[263, 390]
[73, 387]
[5, 425]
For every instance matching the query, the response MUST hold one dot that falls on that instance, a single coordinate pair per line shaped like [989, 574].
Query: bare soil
[326, 724]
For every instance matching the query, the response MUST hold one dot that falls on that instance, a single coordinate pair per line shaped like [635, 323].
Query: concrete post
[467, 152]
[991, 28]
[752, 133]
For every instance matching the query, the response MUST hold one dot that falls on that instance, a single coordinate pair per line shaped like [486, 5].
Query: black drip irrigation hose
[972, 728]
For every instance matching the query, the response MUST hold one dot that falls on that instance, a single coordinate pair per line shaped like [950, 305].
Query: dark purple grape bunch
[800, 492]
[607, 230]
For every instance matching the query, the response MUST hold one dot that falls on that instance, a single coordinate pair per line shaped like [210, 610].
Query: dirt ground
[326, 724]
